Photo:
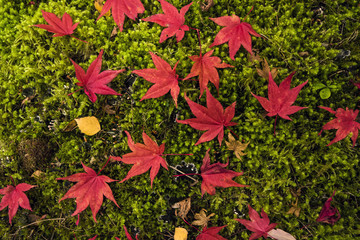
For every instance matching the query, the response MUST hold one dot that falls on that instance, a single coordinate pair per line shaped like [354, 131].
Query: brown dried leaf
[255, 56]
[108, 109]
[71, 126]
[184, 207]
[37, 174]
[202, 219]
[265, 71]
[207, 5]
[237, 146]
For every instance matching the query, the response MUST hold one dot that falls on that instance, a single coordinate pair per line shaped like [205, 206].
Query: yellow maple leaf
[98, 5]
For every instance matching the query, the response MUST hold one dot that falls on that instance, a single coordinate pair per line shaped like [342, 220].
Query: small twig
[183, 173]
[36, 222]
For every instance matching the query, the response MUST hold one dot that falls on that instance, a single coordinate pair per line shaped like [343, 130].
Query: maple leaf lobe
[89, 190]
[211, 234]
[15, 197]
[235, 32]
[329, 214]
[94, 81]
[212, 119]
[143, 157]
[172, 19]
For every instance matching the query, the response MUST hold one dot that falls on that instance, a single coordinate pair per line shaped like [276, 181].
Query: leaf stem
[186, 174]
[275, 124]
[248, 12]
[232, 132]
[177, 154]
[74, 92]
[198, 33]
[78, 39]
[13, 181]
[104, 165]
[191, 225]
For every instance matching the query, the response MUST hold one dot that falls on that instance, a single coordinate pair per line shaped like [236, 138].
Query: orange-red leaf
[120, 8]
[205, 67]
[15, 197]
[260, 226]
[89, 190]
[211, 234]
[235, 32]
[212, 119]
[172, 19]
[94, 81]
[329, 214]
[215, 175]
[163, 76]
[344, 123]
[144, 157]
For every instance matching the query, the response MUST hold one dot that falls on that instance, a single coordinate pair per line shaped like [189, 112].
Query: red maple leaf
[329, 214]
[205, 67]
[235, 32]
[15, 196]
[120, 8]
[163, 76]
[260, 226]
[281, 98]
[60, 27]
[128, 236]
[215, 175]
[89, 190]
[212, 119]
[172, 19]
[210, 234]
[144, 157]
[93, 81]
[344, 123]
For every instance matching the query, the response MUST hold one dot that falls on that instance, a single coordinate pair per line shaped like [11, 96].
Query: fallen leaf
[266, 71]
[237, 146]
[37, 174]
[211, 234]
[99, 6]
[144, 157]
[88, 125]
[180, 234]
[212, 119]
[344, 123]
[281, 98]
[60, 27]
[163, 76]
[94, 81]
[279, 234]
[329, 214]
[89, 190]
[235, 32]
[215, 175]
[206, 6]
[172, 19]
[205, 67]
[120, 8]
[15, 197]
[108, 109]
[202, 219]
[71, 126]
[184, 207]
[260, 226]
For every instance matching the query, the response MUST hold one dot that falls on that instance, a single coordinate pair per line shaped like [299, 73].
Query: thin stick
[37, 222]
[186, 174]
[104, 166]
[183, 173]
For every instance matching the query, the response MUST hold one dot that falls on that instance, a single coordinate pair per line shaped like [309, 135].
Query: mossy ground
[36, 76]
